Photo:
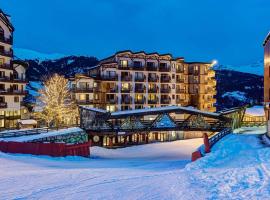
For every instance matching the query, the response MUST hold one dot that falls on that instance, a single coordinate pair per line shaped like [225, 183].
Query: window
[82, 97]
[2, 87]
[137, 64]
[16, 99]
[2, 61]
[150, 64]
[110, 108]
[2, 74]
[125, 86]
[163, 64]
[123, 63]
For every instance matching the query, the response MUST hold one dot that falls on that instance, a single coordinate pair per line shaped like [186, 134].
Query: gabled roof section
[266, 39]
[5, 20]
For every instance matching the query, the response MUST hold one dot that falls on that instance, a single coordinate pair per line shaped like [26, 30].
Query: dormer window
[123, 63]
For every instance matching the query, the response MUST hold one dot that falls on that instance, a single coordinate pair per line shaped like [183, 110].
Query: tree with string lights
[55, 104]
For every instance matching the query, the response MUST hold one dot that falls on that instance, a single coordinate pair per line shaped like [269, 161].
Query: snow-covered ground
[237, 168]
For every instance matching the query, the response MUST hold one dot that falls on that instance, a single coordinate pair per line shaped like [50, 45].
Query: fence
[50, 149]
[209, 143]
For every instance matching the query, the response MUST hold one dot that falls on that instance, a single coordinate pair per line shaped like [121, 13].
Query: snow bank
[241, 96]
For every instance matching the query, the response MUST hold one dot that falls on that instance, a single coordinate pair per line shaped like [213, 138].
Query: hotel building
[134, 80]
[12, 77]
[266, 46]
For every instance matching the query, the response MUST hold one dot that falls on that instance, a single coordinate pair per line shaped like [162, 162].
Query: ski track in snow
[237, 168]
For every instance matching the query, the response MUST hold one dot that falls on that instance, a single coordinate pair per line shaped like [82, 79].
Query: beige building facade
[12, 77]
[134, 80]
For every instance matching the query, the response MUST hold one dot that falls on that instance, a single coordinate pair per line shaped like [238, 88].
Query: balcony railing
[152, 79]
[179, 70]
[194, 72]
[6, 40]
[153, 90]
[3, 104]
[139, 89]
[165, 101]
[112, 90]
[109, 78]
[115, 100]
[12, 79]
[151, 68]
[180, 101]
[13, 92]
[83, 90]
[139, 79]
[126, 100]
[6, 66]
[139, 101]
[138, 67]
[165, 79]
[153, 101]
[125, 90]
[164, 69]
[179, 90]
[6, 53]
[180, 80]
[126, 78]
[85, 102]
[121, 67]
[165, 90]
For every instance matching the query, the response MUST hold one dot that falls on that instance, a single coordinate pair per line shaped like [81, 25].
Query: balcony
[212, 82]
[164, 68]
[12, 79]
[180, 80]
[84, 102]
[165, 101]
[6, 40]
[139, 78]
[138, 67]
[3, 104]
[165, 79]
[153, 79]
[151, 68]
[139, 101]
[179, 90]
[125, 90]
[112, 90]
[180, 70]
[109, 78]
[194, 72]
[165, 90]
[124, 67]
[153, 90]
[126, 78]
[211, 73]
[139, 89]
[6, 53]
[13, 92]
[180, 101]
[153, 101]
[126, 100]
[82, 90]
[112, 101]
[6, 66]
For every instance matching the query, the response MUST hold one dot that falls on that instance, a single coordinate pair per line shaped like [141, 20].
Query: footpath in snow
[237, 168]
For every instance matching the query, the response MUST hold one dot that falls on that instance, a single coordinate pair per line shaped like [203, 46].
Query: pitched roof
[5, 20]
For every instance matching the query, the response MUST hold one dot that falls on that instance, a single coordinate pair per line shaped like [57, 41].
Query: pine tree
[56, 104]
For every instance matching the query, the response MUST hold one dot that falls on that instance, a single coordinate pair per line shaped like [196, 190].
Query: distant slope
[238, 88]
[253, 68]
[27, 54]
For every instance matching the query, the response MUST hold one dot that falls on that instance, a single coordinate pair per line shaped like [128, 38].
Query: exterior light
[214, 62]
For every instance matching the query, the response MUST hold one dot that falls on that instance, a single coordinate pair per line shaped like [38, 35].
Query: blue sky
[231, 31]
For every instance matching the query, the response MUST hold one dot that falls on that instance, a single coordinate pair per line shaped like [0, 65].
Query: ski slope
[237, 168]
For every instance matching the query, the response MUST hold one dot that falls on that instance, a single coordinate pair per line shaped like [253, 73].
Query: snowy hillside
[27, 54]
[253, 68]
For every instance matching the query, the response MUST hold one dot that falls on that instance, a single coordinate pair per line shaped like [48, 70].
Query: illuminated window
[2, 124]
[110, 108]
[2, 61]
[82, 97]
[125, 85]
[123, 63]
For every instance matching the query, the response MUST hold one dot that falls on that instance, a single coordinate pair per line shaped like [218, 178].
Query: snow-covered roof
[255, 111]
[153, 111]
[27, 121]
[43, 135]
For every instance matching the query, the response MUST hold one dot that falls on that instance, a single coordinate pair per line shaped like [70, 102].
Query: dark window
[137, 64]
[163, 64]
[150, 64]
